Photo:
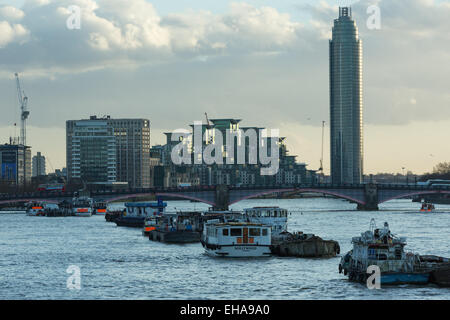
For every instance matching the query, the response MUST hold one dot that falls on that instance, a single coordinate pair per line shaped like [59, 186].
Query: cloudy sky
[263, 61]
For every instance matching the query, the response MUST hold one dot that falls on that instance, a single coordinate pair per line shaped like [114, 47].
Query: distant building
[38, 168]
[167, 174]
[15, 164]
[105, 150]
[346, 101]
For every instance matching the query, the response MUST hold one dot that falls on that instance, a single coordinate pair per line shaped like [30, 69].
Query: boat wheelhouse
[82, 206]
[135, 213]
[381, 248]
[180, 227]
[274, 216]
[236, 239]
[223, 216]
[150, 224]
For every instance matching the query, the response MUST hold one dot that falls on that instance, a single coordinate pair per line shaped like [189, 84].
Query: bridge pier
[222, 198]
[371, 198]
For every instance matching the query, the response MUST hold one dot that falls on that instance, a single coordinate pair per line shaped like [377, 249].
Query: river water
[119, 263]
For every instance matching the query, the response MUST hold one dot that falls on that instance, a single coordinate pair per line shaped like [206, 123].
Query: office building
[105, 150]
[15, 164]
[38, 168]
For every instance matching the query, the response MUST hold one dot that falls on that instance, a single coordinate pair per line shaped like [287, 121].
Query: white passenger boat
[276, 217]
[82, 206]
[236, 239]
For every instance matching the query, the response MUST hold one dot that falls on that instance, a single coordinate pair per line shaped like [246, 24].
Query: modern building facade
[15, 164]
[168, 174]
[38, 168]
[346, 101]
[105, 150]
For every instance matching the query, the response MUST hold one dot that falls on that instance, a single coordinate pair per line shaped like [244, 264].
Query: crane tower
[23, 102]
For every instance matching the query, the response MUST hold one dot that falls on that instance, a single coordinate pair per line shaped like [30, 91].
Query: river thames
[119, 263]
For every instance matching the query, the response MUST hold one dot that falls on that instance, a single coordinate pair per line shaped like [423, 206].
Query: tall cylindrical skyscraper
[346, 101]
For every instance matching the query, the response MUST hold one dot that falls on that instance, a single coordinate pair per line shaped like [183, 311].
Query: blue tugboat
[381, 248]
[135, 213]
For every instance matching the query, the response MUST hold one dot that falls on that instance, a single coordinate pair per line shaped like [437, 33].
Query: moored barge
[181, 227]
[135, 213]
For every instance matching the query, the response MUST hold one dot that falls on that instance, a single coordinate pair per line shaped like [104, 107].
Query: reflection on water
[117, 262]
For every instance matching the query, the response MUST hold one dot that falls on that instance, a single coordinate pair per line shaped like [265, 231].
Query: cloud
[117, 30]
[11, 13]
[11, 33]
[250, 62]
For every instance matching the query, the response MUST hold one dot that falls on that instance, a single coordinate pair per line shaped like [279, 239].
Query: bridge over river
[366, 196]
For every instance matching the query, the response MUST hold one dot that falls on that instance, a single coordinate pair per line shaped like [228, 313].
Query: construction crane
[208, 126]
[321, 156]
[23, 102]
[207, 120]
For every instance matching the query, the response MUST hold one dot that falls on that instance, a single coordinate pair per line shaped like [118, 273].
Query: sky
[262, 61]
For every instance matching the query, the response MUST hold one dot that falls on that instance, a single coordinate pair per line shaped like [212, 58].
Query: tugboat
[381, 248]
[427, 207]
[236, 239]
[82, 206]
[135, 214]
[36, 209]
[100, 207]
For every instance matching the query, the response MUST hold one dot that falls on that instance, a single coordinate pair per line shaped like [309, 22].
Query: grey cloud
[269, 69]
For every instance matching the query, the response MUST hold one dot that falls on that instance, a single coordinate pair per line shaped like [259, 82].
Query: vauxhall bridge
[366, 196]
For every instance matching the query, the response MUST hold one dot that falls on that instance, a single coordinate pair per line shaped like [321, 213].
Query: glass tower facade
[346, 101]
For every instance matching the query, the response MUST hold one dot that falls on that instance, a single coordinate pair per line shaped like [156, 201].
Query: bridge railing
[62, 194]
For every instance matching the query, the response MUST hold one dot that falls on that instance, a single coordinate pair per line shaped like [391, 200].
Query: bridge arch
[28, 200]
[297, 191]
[414, 193]
[174, 195]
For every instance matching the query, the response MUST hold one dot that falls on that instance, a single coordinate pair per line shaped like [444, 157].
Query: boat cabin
[231, 233]
[274, 216]
[379, 247]
[144, 209]
[236, 239]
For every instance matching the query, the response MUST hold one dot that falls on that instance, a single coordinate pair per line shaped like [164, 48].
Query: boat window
[225, 232]
[254, 232]
[235, 232]
[398, 253]
[382, 256]
[264, 232]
